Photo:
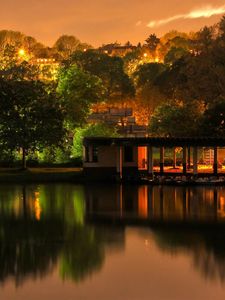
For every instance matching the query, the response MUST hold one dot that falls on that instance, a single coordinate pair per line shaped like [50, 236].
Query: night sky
[104, 21]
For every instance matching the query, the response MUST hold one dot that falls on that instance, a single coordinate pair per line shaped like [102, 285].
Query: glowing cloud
[205, 12]
[138, 23]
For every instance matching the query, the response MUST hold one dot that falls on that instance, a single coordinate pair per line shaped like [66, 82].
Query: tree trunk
[24, 163]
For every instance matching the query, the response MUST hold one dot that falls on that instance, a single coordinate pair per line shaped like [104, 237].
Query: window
[128, 154]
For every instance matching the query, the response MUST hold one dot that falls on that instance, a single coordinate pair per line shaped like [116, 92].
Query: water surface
[112, 242]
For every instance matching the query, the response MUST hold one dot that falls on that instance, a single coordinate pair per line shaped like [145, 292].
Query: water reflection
[205, 247]
[73, 228]
[157, 203]
[42, 226]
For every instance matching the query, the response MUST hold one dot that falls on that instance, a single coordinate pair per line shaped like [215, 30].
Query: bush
[96, 130]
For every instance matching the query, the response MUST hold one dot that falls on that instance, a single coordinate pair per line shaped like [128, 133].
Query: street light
[21, 52]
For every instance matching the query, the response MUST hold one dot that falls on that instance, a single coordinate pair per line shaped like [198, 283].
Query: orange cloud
[205, 12]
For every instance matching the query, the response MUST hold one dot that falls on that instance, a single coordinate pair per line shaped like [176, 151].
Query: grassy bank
[14, 175]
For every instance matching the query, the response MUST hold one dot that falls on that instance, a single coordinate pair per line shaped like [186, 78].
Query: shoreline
[41, 175]
[77, 176]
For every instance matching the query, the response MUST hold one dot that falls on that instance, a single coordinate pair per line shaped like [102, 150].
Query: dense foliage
[174, 84]
[30, 117]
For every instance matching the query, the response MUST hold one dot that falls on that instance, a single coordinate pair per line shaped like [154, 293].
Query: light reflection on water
[112, 242]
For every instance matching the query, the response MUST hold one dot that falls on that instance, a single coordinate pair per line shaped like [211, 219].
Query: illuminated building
[131, 156]
[48, 67]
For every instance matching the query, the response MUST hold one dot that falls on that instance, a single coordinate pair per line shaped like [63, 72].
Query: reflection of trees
[30, 247]
[34, 248]
[82, 255]
[207, 249]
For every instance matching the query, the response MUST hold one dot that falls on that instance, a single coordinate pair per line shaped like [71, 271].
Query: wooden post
[195, 160]
[162, 160]
[174, 158]
[119, 165]
[84, 154]
[215, 163]
[150, 160]
[184, 160]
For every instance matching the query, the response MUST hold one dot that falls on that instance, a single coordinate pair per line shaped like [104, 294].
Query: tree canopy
[30, 117]
[79, 89]
[174, 120]
[109, 69]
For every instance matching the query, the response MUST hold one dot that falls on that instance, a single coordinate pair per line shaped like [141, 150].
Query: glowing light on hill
[21, 52]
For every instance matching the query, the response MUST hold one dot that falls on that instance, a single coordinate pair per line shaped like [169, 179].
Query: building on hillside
[121, 118]
[48, 66]
[116, 49]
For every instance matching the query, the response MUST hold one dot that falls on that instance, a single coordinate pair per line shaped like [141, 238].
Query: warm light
[85, 50]
[156, 59]
[145, 54]
[143, 201]
[37, 207]
[21, 52]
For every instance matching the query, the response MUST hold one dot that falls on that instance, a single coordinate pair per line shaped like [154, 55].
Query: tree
[100, 130]
[13, 67]
[152, 42]
[132, 60]
[79, 90]
[147, 100]
[148, 95]
[204, 40]
[30, 117]
[173, 120]
[193, 78]
[169, 36]
[147, 73]
[174, 39]
[11, 38]
[110, 70]
[174, 54]
[213, 120]
[67, 44]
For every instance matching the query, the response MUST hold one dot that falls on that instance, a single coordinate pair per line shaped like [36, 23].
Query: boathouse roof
[155, 141]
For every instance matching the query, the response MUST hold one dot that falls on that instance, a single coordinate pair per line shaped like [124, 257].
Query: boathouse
[130, 156]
